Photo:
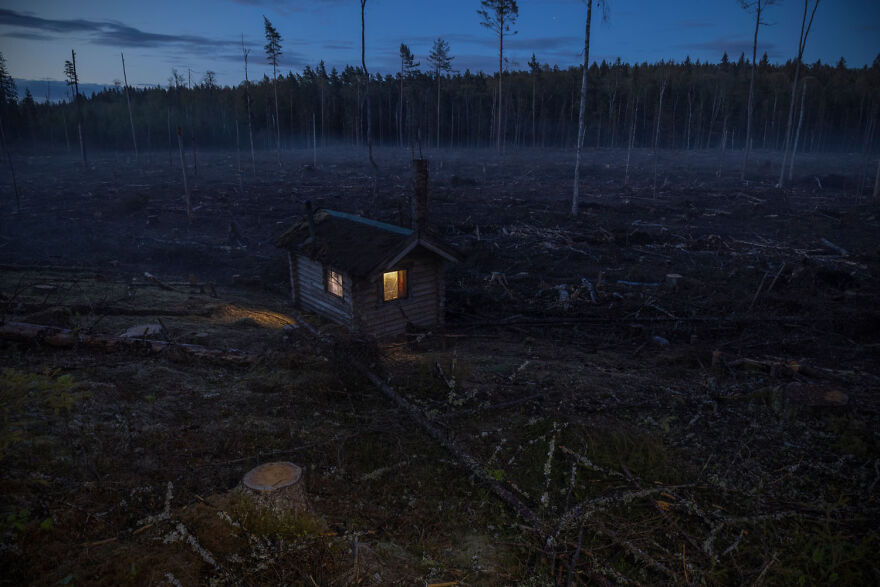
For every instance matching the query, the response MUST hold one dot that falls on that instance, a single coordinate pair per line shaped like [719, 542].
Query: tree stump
[278, 486]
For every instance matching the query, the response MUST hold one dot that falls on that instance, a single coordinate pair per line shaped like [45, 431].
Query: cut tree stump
[277, 485]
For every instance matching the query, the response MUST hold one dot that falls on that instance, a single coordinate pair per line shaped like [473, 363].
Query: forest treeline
[686, 105]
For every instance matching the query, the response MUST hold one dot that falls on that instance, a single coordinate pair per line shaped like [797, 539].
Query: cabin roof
[357, 245]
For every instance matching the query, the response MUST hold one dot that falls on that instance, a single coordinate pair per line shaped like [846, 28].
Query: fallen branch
[469, 462]
[66, 338]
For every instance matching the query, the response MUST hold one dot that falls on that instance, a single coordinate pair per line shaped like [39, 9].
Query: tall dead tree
[498, 16]
[187, 199]
[247, 101]
[130, 115]
[802, 43]
[797, 134]
[758, 7]
[575, 195]
[535, 69]
[367, 78]
[73, 80]
[273, 52]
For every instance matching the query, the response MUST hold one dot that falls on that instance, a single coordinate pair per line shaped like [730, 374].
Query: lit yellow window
[394, 285]
[334, 282]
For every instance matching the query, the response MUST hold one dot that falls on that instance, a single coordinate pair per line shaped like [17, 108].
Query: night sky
[36, 36]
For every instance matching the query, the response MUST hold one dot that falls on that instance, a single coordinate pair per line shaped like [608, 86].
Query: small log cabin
[373, 277]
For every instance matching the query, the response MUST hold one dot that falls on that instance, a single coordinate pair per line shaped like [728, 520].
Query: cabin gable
[422, 306]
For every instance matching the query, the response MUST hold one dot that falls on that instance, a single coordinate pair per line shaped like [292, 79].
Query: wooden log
[66, 338]
[450, 444]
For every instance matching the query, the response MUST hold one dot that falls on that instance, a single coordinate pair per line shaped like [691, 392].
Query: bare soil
[719, 427]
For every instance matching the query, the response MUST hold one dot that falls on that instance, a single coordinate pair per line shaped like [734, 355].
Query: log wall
[313, 297]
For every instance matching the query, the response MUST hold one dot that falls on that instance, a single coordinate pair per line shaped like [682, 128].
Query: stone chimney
[420, 195]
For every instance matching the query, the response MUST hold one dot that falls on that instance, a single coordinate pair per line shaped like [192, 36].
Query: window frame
[328, 272]
[399, 297]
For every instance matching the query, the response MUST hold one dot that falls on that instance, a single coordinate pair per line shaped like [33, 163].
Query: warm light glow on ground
[265, 318]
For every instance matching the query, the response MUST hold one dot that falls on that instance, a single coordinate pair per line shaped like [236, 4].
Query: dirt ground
[680, 383]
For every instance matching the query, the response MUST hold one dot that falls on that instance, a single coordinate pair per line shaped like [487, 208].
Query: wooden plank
[314, 298]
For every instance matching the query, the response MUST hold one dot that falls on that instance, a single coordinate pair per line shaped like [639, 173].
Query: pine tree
[273, 52]
[72, 78]
[442, 63]
[8, 92]
[498, 16]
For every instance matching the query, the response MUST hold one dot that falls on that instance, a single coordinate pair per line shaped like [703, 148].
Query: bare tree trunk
[659, 114]
[867, 139]
[277, 119]
[66, 134]
[183, 170]
[534, 84]
[802, 42]
[247, 101]
[314, 143]
[130, 115]
[748, 149]
[438, 109]
[877, 182]
[168, 113]
[500, 75]
[581, 112]
[797, 134]
[238, 156]
[690, 115]
[12, 169]
[717, 100]
[400, 106]
[657, 136]
[367, 75]
[632, 138]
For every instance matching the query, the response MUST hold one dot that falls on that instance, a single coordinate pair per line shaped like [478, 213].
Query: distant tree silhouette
[8, 92]
[273, 52]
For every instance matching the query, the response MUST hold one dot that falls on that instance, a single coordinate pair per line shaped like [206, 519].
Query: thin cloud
[105, 32]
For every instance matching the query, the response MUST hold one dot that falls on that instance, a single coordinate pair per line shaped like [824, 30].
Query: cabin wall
[424, 305]
[312, 297]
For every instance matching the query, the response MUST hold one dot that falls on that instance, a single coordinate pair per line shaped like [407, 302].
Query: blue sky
[36, 36]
